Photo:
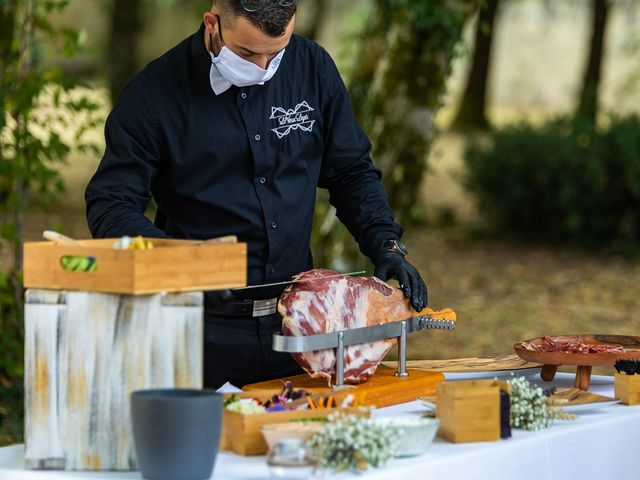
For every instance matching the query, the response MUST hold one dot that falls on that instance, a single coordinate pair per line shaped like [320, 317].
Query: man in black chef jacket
[231, 131]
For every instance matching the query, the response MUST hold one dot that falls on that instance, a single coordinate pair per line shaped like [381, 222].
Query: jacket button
[274, 225]
[262, 180]
[243, 95]
[257, 137]
[273, 269]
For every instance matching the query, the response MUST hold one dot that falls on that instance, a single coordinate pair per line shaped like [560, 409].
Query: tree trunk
[21, 186]
[472, 113]
[7, 28]
[396, 87]
[588, 101]
[318, 14]
[122, 51]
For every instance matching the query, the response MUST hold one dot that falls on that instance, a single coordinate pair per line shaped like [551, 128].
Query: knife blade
[298, 280]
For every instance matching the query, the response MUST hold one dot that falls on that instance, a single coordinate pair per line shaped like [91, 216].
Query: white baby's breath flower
[351, 442]
[529, 409]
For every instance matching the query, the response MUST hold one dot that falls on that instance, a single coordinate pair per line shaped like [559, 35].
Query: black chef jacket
[246, 162]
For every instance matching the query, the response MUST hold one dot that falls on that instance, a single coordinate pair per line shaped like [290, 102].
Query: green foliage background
[42, 118]
[399, 73]
[563, 181]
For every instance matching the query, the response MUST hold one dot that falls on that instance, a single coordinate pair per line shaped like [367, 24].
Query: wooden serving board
[583, 361]
[575, 396]
[567, 396]
[381, 390]
[630, 344]
[471, 364]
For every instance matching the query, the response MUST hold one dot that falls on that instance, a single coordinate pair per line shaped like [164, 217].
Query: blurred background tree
[41, 120]
[589, 92]
[314, 18]
[472, 113]
[396, 86]
[125, 28]
[572, 180]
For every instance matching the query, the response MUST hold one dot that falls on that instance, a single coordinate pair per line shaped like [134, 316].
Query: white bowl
[273, 432]
[416, 434]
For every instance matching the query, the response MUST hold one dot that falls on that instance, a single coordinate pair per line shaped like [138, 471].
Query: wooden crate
[171, 266]
[627, 388]
[84, 354]
[241, 432]
[469, 411]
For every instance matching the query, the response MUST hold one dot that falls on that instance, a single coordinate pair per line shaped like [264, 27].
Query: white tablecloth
[601, 444]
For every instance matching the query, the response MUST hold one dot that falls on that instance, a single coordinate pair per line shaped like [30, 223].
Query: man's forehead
[249, 37]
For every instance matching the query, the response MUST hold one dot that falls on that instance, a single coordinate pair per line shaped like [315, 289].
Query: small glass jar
[288, 459]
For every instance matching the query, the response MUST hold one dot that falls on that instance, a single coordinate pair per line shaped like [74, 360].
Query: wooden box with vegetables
[135, 266]
[246, 413]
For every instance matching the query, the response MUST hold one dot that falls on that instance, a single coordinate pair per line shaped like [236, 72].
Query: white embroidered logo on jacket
[292, 119]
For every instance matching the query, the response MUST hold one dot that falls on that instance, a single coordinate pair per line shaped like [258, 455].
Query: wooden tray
[471, 364]
[571, 397]
[381, 390]
[171, 266]
[583, 361]
[574, 397]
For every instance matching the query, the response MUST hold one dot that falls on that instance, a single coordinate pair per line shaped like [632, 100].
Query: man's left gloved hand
[393, 265]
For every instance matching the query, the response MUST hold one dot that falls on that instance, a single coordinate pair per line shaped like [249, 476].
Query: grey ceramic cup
[176, 432]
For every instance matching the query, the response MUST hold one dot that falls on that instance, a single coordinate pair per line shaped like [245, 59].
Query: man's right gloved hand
[393, 265]
[217, 299]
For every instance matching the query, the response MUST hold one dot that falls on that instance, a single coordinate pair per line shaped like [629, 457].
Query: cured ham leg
[322, 305]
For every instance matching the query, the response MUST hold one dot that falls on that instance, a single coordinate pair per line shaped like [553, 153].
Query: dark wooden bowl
[630, 344]
[584, 361]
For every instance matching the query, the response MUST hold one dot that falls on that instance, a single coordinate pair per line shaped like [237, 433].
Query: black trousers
[239, 350]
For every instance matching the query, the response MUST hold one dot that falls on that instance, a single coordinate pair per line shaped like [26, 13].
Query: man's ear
[210, 22]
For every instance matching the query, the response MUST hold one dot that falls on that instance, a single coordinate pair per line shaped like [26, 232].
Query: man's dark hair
[272, 18]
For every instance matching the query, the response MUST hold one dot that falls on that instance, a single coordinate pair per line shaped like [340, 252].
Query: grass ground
[504, 292]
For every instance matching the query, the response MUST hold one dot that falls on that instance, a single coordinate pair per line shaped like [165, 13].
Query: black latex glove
[217, 299]
[394, 265]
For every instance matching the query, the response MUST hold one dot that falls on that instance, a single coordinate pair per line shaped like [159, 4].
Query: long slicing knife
[439, 320]
[300, 280]
[426, 319]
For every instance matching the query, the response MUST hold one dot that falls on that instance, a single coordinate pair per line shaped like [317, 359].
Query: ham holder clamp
[338, 328]
[340, 339]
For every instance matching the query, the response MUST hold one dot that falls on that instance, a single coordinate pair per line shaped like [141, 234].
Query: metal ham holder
[355, 336]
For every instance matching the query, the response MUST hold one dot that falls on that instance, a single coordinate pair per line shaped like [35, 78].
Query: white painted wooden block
[85, 352]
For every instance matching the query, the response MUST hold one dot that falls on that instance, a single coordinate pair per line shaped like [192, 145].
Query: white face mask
[228, 69]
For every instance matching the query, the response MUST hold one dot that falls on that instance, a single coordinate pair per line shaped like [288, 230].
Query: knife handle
[443, 314]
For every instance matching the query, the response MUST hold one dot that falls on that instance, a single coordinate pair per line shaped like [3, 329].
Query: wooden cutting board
[471, 364]
[575, 396]
[566, 396]
[381, 390]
